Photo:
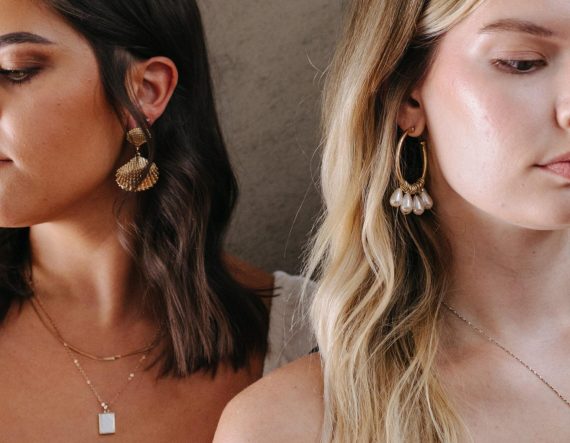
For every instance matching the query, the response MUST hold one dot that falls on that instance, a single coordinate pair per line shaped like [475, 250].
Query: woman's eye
[18, 75]
[519, 66]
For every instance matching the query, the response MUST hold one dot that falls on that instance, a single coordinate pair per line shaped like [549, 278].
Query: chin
[12, 224]
[12, 219]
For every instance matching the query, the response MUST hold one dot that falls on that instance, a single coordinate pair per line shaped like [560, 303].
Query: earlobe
[155, 82]
[412, 115]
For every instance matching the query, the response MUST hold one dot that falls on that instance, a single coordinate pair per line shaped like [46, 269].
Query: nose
[563, 112]
[562, 84]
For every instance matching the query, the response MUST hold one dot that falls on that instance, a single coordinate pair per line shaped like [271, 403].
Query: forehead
[34, 16]
[501, 15]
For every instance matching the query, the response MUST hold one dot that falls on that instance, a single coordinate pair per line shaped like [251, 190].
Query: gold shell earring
[411, 198]
[133, 177]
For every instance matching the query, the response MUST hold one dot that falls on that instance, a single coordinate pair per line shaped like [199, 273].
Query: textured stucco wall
[267, 58]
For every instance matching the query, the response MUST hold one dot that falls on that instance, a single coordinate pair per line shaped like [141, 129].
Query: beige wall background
[268, 58]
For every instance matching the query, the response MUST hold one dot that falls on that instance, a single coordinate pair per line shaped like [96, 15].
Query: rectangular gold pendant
[107, 423]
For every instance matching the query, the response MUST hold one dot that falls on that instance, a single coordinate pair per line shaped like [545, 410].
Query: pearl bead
[407, 204]
[426, 200]
[396, 199]
[418, 206]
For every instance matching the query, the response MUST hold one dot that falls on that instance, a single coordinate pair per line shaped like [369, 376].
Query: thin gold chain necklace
[107, 418]
[507, 351]
[54, 330]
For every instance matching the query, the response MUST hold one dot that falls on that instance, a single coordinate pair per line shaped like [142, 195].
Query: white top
[290, 335]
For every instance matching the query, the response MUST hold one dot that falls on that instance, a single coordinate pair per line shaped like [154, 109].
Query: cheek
[64, 142]
[486, 132]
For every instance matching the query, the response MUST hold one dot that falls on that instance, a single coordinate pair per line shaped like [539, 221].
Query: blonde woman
[452, 325]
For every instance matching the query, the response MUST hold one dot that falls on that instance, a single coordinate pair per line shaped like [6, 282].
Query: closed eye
[18, 76]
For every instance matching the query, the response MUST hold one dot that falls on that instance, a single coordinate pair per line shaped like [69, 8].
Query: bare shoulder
[284, 406]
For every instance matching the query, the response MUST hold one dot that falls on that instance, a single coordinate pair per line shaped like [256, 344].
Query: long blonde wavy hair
[381, 275]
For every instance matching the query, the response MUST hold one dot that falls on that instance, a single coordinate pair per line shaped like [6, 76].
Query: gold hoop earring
[136, 175]
[411, 198]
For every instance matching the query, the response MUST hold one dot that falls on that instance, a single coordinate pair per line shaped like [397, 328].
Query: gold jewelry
[37, 305]
[107, 418]
[411, 198]
[504, 349]
[136, 175]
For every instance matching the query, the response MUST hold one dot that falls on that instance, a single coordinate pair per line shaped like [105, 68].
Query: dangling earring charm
[131, 176]
[411, 198]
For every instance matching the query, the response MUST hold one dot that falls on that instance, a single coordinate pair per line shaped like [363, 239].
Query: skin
[60, 144]
[490, 131]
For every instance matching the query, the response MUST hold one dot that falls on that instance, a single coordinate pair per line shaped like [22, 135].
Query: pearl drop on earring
[396, 199]
[418, 206]
[407, 204]
[426, 200]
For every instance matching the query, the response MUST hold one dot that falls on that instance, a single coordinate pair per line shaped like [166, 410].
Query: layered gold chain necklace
[106, 418]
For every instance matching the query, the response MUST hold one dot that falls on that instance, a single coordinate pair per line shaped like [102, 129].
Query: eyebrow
[18, 38]
[513, 25]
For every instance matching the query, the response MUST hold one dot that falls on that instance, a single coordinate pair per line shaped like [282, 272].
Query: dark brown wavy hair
[176, 237]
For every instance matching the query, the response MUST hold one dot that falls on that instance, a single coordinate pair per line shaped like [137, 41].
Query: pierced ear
[153, 82]
[411, 114]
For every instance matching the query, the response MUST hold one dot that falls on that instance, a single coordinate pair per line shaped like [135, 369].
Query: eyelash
[27, 74]
[510, 66]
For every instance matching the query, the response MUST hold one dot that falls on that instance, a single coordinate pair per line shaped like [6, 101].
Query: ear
[412, 115]
[153, 82]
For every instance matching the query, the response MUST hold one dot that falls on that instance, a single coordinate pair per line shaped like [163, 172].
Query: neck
[509, 280]
[80, 268]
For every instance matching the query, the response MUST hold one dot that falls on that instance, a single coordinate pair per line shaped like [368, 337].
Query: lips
[559, 166]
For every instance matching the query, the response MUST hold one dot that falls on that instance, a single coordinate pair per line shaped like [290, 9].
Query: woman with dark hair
[118, 311]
